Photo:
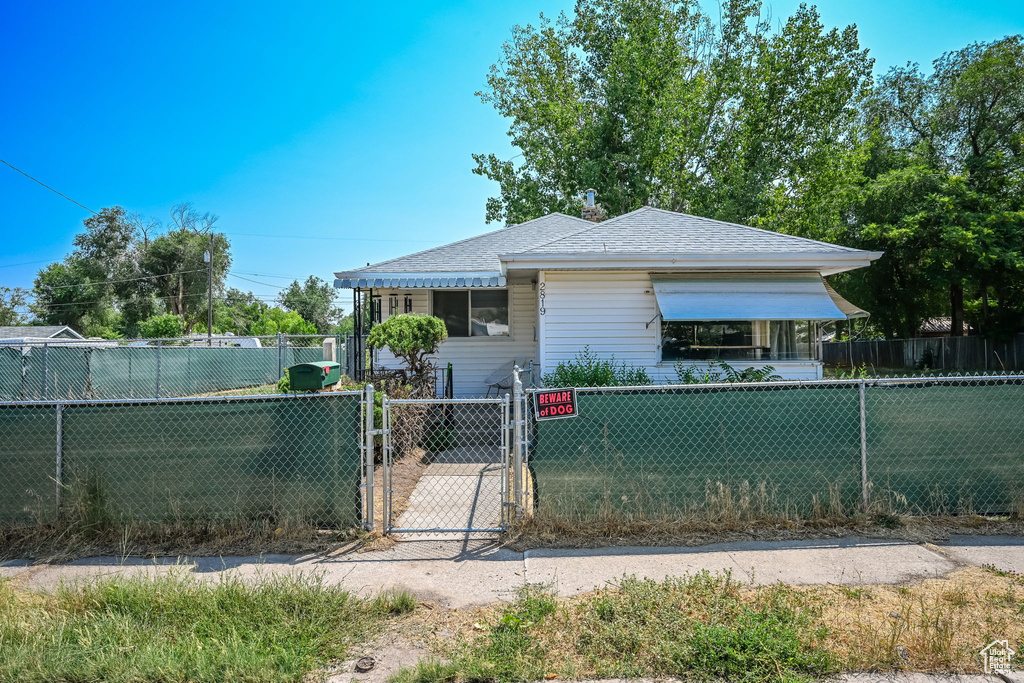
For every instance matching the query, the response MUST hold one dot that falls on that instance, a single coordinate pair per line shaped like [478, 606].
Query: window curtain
[783, 339]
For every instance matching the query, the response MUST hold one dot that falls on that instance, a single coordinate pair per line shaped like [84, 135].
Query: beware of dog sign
[551, 404]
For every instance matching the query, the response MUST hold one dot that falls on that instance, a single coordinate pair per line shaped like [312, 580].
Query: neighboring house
[940, 327]
[650, 287]
[37, 334]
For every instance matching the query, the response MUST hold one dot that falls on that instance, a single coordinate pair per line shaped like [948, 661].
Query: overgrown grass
[700, 627]
[709, 627]
[177, 628]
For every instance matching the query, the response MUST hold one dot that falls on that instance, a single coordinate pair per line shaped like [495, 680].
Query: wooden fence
[936, 353]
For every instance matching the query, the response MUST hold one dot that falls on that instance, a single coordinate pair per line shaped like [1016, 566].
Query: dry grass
[936, 625]
[748, 513]
[69, 539]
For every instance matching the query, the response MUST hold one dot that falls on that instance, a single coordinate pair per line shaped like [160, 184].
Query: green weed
[177, 628]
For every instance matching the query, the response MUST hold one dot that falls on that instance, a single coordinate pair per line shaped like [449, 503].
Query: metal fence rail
[923, 445]
[272, 458]
[151, 368]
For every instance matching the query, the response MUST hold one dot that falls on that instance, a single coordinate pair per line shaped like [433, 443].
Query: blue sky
[341, 130]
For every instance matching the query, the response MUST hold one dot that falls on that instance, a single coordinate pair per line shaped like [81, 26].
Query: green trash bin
[314, 376]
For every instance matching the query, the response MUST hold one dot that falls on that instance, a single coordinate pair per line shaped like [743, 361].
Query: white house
[650, 287]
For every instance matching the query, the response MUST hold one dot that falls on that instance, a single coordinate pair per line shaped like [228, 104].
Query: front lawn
[178, 628]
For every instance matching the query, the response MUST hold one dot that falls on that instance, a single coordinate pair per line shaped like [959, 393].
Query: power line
[281, 277]
[134, 279]
[313, 237]
[26, 263]
[257, 282]
[36, 180]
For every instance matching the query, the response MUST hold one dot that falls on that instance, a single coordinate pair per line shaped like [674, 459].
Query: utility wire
[134, 279]
[36, 180]
[26, 263]
[313, 237]
[257, 282]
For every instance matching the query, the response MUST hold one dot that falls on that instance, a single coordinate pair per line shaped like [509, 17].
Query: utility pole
[209, 293]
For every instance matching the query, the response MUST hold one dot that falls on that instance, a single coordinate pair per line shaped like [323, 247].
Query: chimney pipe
[591, 211]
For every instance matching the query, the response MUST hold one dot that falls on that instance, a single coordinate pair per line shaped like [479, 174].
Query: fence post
[159, 357]
[519, 427]
[387, 458]
[46, 372]
[59, 470]
[368, 432]
[863, 446]
[280, 358]
[506, 453]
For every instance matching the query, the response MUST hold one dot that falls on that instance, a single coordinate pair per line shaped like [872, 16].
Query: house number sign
[552, 404]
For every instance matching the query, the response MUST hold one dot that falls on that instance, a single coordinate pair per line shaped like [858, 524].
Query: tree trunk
[956, 305]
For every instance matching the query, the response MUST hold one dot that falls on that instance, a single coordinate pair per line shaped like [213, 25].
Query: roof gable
[480, 254]
[656, 231]
[38, 332]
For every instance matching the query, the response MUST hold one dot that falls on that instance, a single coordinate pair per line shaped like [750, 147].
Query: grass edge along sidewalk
[702, 626]
[708, 626]
[179, 628]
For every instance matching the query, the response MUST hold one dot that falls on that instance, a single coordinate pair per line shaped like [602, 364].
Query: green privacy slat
[653, 453]
[932, 448]
[272, 460]
[84, 373]
[948, 448]
[27, 462]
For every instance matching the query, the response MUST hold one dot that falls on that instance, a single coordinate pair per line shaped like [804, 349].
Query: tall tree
[965, 123]
[314, 301]
[656, 102]
[176, 270]
[12, 301]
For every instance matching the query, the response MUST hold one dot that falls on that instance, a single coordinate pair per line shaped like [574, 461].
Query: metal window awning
[417, 280]
[750, 296]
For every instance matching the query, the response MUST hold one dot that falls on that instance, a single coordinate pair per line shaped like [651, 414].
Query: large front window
[478, 313]
[765, 340]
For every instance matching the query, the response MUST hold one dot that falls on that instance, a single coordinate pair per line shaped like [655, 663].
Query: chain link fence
[274, 458]
[445, 464]
[152, 368]
[920, 446]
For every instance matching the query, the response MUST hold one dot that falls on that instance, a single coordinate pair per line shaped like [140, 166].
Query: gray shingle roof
[656, 231]
[646, 231]
[480, 253]
[36, 332]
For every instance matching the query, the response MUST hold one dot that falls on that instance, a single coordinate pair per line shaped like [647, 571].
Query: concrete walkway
[455, 496]
[463, 573]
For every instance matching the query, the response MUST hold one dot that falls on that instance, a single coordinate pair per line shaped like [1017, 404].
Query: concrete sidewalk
[463, 573]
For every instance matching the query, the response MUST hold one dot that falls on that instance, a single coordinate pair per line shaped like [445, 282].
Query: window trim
[469, 311]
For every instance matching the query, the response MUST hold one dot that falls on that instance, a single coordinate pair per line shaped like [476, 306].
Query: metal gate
[446, 464]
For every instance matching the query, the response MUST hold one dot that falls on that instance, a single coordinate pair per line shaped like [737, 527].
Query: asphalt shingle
[656, 231]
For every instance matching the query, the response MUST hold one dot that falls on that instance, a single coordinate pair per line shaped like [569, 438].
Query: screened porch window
[476, 313]
[764, 340]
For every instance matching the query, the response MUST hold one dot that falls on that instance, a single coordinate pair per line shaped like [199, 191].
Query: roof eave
[824, 262]
[413, 280]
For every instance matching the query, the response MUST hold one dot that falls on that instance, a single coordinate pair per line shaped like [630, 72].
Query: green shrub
[589, 370]
[718, 371]
[166, 326]
[412, 338]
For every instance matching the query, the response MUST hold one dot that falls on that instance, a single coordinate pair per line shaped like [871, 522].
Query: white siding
[474, 358]
[616, 314]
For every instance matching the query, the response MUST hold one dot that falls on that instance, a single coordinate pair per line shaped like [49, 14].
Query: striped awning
[750, 296]
[410, 281]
